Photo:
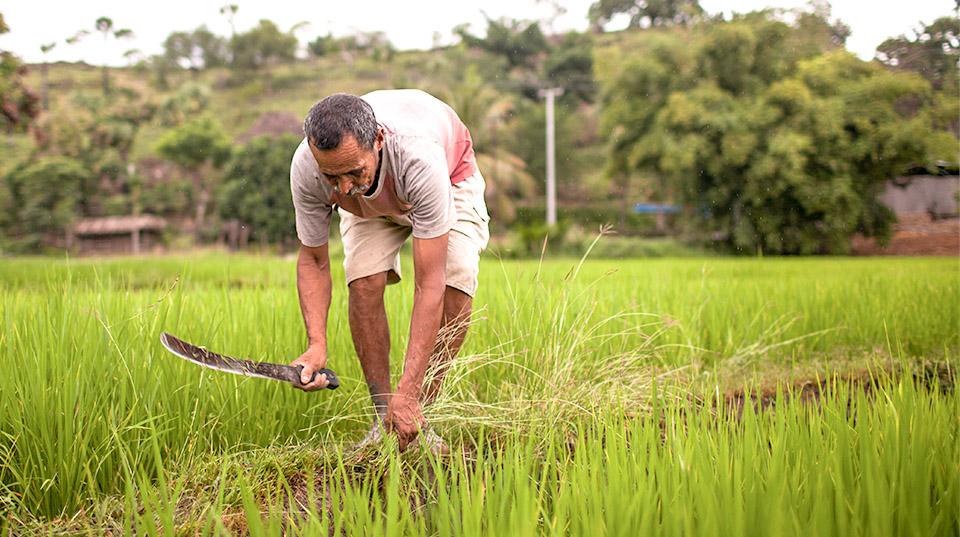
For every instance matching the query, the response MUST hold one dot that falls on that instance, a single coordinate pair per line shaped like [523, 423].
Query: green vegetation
[655, 13]
[576, 400]
[200, 148]
[41, 199]
[770, 136]
[18, 104]
[762, 127]
[251, 195]
[927, 53]
[592, 397]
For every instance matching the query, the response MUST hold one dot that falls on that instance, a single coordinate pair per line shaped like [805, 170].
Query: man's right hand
[312, 360]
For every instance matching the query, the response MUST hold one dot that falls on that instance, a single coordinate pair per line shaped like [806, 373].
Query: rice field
[593, 397]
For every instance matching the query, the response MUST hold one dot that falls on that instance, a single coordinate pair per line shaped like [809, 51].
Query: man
[394, 163]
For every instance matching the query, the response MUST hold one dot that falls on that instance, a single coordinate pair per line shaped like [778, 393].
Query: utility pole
[551, 94]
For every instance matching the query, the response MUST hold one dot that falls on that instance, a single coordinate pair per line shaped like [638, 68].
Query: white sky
[408, 23]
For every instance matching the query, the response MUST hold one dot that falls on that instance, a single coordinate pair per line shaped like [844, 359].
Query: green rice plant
[578, 399]
[844, 466]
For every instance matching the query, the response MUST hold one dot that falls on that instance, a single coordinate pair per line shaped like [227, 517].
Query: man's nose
[344, 184]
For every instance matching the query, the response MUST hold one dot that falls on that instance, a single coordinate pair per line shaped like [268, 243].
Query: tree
[375, 45]
[570, 66]
[45, 198]
[160, 68]
[18, 103]
[44, 68]
[485, 112]
[767, 150]
[256, 189]
[636, 80]
[816, 31]
[644, 13]
[507, 181]
[526, 134]
[167, 197]
[191, 100]
[748, 53]
[323, 45]
[104, 25]
[135, 57]
[230, 12]
[99, 132]
[200, 148]
[520, 42]
[196, 50]
[262, 46]
[932, 51]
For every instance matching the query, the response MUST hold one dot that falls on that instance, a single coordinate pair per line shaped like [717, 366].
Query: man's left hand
[404, 418]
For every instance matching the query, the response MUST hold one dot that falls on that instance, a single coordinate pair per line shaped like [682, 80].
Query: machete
[205, 358]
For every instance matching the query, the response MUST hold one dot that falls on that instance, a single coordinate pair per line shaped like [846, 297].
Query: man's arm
[429, 265]
[313, 287]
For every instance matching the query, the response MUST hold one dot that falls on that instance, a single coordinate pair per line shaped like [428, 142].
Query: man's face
[349, 167]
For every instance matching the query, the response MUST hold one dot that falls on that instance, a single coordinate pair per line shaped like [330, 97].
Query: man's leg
[371, 336]
[466, 240]
[457, 307]
[370, 262]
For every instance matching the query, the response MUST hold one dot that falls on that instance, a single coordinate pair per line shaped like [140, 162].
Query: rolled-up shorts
[372, 245]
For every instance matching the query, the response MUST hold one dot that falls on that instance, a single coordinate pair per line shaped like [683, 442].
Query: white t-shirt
[420, 160]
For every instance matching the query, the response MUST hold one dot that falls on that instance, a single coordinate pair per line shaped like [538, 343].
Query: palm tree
[44, 85]
[104, 25]
[485, 111]
[230, 11]
[507, 180]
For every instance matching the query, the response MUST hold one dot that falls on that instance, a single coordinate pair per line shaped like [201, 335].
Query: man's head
[345, 141]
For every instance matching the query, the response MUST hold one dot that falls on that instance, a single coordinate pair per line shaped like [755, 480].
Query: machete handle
[332, 381]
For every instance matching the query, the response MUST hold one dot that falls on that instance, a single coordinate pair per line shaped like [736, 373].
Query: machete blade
[203, 357]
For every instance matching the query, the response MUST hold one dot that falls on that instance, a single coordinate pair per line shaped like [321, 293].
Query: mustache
[353, 191]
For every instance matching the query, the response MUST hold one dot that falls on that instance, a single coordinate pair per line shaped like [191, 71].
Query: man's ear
[378, 142]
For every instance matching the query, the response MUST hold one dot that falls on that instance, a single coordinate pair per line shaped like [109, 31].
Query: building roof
[940, 168]
[111, 225]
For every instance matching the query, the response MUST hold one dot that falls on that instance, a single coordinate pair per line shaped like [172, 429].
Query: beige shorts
[372, 245]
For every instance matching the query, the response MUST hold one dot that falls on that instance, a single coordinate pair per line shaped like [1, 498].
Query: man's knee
[457, 305]
[369, 287]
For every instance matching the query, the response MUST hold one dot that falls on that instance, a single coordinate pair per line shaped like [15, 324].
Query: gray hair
[338, 115]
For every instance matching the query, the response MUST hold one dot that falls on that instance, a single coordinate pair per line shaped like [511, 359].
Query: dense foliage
[81, 166]
[200, 148]
[261, 46]
[256, 189]
[18, 104]
[197, 50]
[932, 52]
[645, 13]
[769, 146]
[39, 200]
[762, 127]
[520, 42]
